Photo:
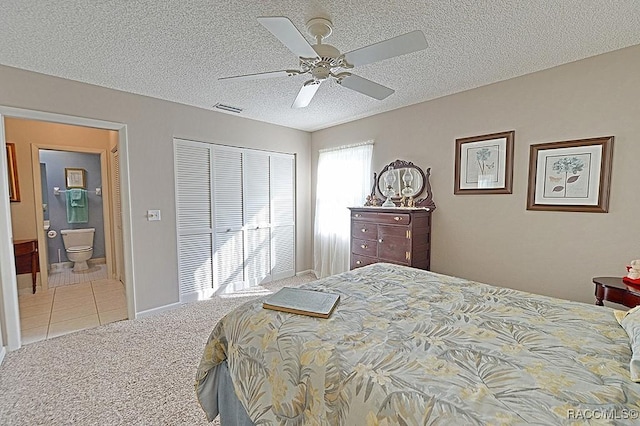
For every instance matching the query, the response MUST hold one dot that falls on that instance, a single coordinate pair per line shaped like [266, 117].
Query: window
[344, 178]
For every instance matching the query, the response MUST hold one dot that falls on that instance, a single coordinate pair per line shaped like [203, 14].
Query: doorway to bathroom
[73, 217]
[67, 207]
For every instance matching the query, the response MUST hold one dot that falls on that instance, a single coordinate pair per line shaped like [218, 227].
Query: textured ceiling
[176, 50]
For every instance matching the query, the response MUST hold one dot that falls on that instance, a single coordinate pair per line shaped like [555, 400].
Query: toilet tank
[77, 237]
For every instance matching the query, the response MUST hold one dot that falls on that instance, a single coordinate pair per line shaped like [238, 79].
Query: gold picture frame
[75, 178]
[570, 176]
[12, 168]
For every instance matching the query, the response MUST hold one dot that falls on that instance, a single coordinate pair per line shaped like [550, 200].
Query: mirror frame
[401, 164]
[426, 202]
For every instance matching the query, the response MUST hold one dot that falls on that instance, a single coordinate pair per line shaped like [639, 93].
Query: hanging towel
[77, 197]
[77, 206]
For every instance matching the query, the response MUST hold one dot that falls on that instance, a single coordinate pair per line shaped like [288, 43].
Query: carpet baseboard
[153, 311]
[308, 271]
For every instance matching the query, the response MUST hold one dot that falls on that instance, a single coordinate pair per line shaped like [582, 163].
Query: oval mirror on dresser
[401, 183]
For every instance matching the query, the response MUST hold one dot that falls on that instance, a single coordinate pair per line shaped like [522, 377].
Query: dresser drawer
[367, 216]
[364, 230]
[396, 218]
[364, 247]
[358, 261]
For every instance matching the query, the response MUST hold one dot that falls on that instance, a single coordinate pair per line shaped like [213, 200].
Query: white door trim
[9, 314]
[106, 202]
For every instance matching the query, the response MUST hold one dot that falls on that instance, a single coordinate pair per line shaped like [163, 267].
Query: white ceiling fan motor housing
[320, 29]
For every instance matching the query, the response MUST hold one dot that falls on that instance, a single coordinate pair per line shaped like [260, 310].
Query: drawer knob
[364, 246]
[357, 215]
[397, 218]
[358, 262]
[380, 240]
[364, 229]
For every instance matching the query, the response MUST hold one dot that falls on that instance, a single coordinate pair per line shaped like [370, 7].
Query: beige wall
[26, 132]
[151, 126]
[493, 238]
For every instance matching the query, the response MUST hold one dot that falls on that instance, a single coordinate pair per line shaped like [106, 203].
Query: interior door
[195, 231]
[283, 216]
[257, 217]
[228, 219]
[117, 215]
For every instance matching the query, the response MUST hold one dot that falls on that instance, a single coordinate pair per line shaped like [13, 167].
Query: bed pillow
[630, 321]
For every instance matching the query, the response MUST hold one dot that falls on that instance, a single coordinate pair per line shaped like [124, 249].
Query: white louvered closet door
[257, 215]
[283, 207]
[236, 218]
[194, 219]
[228, 218]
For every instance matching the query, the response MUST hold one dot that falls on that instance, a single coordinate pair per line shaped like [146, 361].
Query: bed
[407, 346]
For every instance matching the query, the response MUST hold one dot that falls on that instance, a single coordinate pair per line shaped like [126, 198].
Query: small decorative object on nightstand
[613, 289]
[633, 273]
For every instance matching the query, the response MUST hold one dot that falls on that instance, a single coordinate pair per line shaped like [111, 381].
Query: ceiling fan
[323, 61]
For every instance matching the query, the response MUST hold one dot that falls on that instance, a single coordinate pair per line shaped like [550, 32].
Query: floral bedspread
[410, 347]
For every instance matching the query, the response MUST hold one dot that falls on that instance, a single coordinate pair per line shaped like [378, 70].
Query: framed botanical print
[75, 178]
[484, 164]
[570, 175]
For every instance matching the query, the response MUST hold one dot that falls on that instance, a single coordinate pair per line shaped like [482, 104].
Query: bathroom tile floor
[66, 276]
[74, 307]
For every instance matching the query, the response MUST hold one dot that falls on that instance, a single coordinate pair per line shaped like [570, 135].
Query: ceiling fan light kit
[323, 61]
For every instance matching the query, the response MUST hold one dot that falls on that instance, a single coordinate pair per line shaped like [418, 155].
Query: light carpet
[139, 372]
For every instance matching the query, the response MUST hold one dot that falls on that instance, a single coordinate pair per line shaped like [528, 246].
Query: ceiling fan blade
[288, 34]
[305, 94]
[261, 75]
[366, 87]
[401, 45]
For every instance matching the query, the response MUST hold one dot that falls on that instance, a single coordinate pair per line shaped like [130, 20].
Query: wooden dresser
[394, 235]
[26, 254]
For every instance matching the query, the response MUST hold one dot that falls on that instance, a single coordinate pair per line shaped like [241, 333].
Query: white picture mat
[590, 174]
[470, 170]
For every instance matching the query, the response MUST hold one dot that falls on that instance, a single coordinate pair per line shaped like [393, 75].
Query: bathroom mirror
[401, 179]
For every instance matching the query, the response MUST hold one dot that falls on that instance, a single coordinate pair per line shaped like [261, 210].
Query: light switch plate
[153, 215]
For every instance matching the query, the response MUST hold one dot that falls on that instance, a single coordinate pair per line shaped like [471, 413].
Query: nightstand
[613, 289]
[26, 254]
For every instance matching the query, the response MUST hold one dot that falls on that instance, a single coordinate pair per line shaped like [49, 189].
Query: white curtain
[344, 180]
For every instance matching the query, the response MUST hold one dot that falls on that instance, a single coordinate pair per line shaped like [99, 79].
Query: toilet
[78, 243]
